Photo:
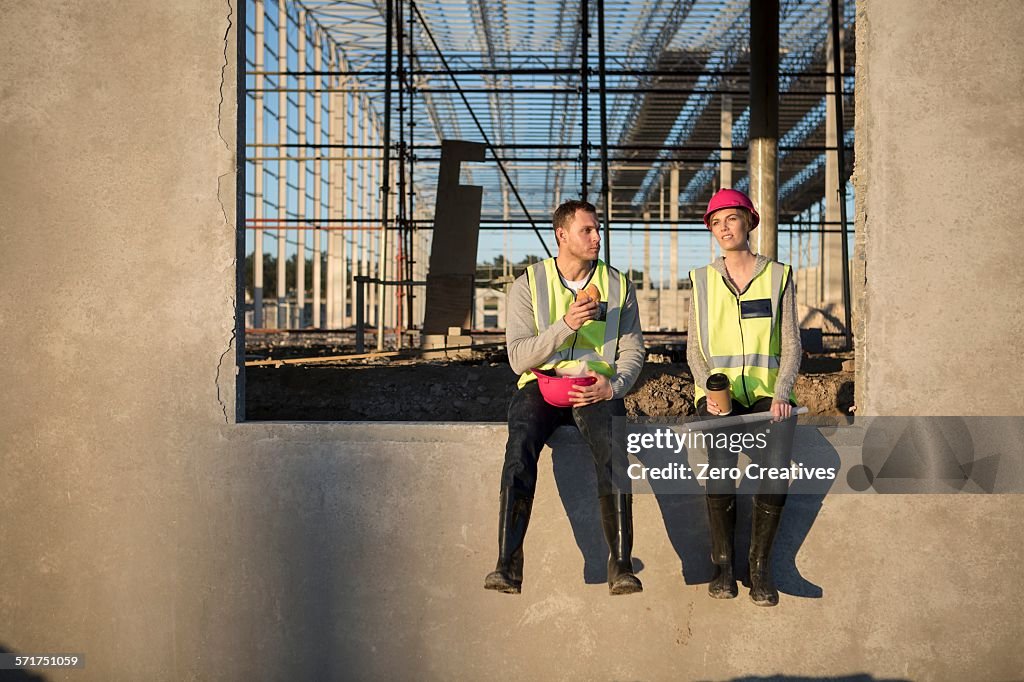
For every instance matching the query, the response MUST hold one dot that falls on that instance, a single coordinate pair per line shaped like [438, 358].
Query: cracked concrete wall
[117, 122]
[940, 154]
[142, 529]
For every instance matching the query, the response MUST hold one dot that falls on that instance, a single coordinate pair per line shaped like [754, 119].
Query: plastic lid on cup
[718, 382]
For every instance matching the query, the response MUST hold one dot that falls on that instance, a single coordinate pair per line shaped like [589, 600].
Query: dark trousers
[777, 454]
[531, 421]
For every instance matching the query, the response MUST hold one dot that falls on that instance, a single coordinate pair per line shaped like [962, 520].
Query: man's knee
[600, 412]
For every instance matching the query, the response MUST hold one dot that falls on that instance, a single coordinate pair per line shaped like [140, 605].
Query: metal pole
[661, 245]
[673, 215]
[317, 233]
[408, 158]
[837, 75]
[821, 252]
[606, 190]
[725, 169]
[360, 342]
[257, 255]
[725, 140]
[395, 264]
[377, 201]
[282, 175]
[647, 255]
[762, 158]
[333, 198]
[543, 71]
[352, 200]
[584, 93]
[410, 210]
[372, 217]
[405, 246]
[360, 116]
[299, 211]
[329, 258]
[832, 250]
[385, 188]
[340, 169]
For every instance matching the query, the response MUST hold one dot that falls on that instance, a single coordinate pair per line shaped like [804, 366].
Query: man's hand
[581, 310]
[594, 393]
[781, 409]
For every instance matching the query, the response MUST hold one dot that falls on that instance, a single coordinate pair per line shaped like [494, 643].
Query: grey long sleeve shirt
[789, 364]
[528, 349]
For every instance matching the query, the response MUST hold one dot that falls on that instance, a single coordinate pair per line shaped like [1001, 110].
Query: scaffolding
[645, 113]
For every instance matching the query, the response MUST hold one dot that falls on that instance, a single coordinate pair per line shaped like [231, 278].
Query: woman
[743, 324]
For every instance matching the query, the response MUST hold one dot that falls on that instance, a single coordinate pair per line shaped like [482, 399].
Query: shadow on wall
[18, 675]
[685, 517]
[576, 481]
[863, 677]
[804, 501]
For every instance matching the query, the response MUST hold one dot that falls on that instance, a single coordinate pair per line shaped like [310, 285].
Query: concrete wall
[140, 526]
[940, 156]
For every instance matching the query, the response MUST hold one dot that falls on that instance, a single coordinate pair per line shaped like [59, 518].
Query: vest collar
[718, 265]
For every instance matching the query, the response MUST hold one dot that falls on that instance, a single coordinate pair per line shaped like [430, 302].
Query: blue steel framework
[523, 76]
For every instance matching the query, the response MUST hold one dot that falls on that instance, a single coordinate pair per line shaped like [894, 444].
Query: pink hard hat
[555, 390]
[731, 198]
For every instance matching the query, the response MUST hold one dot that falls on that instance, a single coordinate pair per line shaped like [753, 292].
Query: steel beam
[300, 208]
[762, 157]
[319, 322]
[257, 258]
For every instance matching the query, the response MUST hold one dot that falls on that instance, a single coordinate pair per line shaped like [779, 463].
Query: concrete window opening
[347, 113]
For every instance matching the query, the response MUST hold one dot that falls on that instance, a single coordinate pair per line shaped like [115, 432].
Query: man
[550, 327]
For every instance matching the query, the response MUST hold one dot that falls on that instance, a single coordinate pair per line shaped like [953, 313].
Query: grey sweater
[789, 364]
[527, 349]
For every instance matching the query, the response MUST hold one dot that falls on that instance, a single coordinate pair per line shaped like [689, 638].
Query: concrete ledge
[298, 552]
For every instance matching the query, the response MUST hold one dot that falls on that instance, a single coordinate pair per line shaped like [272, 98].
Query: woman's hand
[781, 409]
[713, 407]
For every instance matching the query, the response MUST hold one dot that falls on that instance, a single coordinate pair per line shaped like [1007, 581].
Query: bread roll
[591, 292]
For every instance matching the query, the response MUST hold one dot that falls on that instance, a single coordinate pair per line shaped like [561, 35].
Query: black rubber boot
[764, 525]
[617, 520]
[513, 517]
[722, 521]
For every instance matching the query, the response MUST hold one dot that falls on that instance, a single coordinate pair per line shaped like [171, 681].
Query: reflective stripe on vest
[740, 336]
[596, 342]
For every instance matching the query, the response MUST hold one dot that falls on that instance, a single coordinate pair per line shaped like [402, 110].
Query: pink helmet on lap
[555, 389]
[731, 198]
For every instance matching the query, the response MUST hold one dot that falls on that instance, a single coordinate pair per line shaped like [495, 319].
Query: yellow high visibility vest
[597, 341]
[741, 336]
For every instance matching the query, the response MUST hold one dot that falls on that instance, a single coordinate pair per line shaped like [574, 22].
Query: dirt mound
[480, 390]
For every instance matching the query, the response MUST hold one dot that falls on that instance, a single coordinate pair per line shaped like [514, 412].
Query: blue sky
[627, 247]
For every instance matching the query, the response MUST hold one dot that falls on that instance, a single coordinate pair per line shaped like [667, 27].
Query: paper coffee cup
[719, 389]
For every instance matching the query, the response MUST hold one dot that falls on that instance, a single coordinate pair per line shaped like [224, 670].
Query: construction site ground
[475, 387]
